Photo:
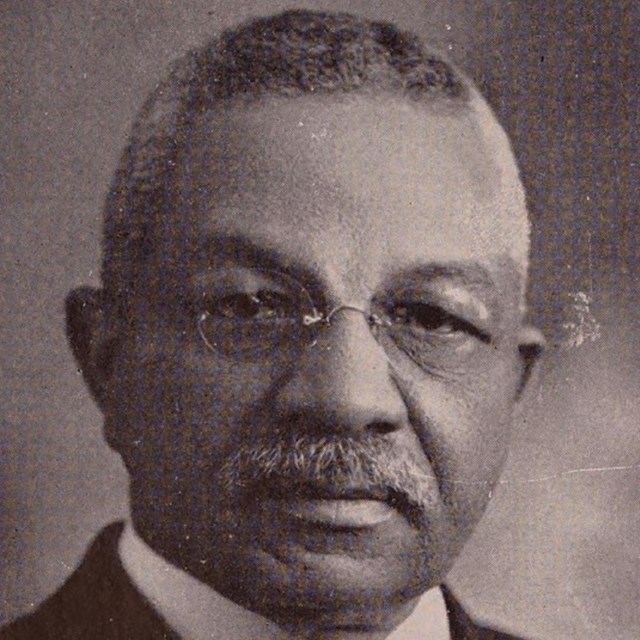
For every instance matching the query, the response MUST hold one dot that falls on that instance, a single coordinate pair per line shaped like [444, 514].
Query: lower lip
[344, 514]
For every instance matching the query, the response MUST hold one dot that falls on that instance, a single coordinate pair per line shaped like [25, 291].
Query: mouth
[338, 514]
[328, 506]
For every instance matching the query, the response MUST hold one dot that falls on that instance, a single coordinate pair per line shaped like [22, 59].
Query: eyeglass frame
[317, 318]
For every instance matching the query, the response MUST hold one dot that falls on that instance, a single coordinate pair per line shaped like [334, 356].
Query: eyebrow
[472, 273]
[255, 253]
[258, 253]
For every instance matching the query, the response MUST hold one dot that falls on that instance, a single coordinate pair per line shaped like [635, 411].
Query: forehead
[359, 185]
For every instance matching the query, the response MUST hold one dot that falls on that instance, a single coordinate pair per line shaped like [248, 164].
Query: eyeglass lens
[250, 313]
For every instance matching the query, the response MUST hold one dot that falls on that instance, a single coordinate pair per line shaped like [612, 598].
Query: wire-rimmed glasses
[249, 313]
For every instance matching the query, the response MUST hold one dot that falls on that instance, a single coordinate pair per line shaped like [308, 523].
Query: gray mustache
[366, 463]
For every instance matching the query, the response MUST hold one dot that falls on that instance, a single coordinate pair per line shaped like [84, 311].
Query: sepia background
[558, 554]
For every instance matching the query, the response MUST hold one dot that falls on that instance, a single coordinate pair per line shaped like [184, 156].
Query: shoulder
[97, 601]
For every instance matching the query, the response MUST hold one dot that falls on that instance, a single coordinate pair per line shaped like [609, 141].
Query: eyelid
[464, 324]
[473, 329]
[455, 301]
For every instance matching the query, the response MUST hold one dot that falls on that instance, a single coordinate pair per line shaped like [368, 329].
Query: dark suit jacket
[99, 602]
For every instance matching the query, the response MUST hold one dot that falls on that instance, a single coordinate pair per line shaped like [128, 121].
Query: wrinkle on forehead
[351, 183]
[344, 144]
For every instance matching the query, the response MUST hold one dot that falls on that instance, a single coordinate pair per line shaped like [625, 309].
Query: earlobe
[91, 341]
[531, 345]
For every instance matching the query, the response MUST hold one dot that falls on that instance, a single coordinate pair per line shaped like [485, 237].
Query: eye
[248, 313]
[426, 319]
[261, 306]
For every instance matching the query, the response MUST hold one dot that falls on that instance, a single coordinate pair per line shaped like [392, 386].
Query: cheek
[482, 408]
[463, 423]
[181, 399]
[476, 453]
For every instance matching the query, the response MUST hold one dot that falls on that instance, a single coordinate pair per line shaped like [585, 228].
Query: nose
[342, 384]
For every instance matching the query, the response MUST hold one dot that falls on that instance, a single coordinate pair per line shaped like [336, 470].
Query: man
[309, 344]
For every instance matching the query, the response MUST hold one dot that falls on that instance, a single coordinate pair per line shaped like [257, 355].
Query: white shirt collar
[197, 612]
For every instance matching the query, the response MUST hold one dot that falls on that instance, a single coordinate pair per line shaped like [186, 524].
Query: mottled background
[558, 555]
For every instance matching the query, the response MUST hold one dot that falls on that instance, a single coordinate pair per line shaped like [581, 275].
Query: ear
[93, 342]
[531, 345]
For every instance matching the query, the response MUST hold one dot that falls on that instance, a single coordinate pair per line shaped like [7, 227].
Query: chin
[355, 584]
[318, 588]
[288, 567]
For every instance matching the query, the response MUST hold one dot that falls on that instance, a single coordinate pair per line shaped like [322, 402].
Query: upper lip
[288, 490]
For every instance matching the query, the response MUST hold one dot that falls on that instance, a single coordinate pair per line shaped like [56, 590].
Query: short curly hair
[290, 54]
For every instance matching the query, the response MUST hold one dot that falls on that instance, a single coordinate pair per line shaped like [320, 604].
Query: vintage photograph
[319, 320]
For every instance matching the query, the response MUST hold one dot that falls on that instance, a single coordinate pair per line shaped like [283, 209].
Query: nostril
[382, 427]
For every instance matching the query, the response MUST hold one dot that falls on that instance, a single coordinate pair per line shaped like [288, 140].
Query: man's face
[368, 205]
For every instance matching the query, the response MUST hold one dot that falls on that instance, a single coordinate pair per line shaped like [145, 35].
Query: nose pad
[342, 384]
